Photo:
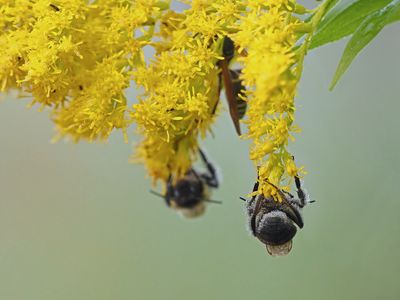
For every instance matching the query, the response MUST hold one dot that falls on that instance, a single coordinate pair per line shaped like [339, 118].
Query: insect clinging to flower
[274, 223]
[189, 194]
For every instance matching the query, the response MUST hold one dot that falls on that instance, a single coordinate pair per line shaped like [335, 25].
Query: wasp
[234, 89]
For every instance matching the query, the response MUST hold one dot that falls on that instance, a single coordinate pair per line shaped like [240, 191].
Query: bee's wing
[293, 214]
[254, 216]
[230, 95]
[288, 208]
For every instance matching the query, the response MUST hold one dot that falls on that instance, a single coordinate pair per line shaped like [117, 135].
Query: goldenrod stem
[315, 20]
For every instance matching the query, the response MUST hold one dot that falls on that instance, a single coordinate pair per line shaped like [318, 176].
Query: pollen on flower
[99, 108]
[267, 33]
[76, 58]
[52, 49]
[181, 89]
[175, 108]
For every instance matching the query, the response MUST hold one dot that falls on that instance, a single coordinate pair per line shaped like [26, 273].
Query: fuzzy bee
[274, 223]
[234, 89]
[189, 194]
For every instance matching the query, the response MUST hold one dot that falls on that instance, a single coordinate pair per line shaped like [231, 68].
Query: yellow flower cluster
[75, 57]
[181, 88]
[267, 34]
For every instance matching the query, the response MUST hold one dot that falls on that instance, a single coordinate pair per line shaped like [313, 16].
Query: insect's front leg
[210, 178]
[300, 192]
[170, 192]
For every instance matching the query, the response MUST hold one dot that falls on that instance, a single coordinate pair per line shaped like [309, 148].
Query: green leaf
[344, 19]
[331, 5]
[364, 34]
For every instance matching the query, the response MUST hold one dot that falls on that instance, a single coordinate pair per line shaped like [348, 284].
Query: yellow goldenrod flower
[76, 57]
[181, 88]
[177, 105]
[267, 32]
[99, 107]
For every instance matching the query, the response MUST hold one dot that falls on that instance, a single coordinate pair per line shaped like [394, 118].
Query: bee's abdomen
[275, 228]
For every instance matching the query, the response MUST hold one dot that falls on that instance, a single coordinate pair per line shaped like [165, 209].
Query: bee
[234, 89]
[189, 194]
[274, 223]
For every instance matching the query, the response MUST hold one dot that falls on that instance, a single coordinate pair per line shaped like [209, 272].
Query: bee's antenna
[157, 194]
[213, 201]
[244, 199]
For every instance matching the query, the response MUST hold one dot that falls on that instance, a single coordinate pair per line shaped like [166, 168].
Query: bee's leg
[287, 193]
[278, 190]
[250, 202]
[257, 184]
[170, 191]
[255, 187]
[211, 178]
[300, 193]
[194, 172]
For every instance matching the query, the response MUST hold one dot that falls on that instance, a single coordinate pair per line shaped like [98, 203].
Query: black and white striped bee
[189, 194]
[234, 89]
[274, 223]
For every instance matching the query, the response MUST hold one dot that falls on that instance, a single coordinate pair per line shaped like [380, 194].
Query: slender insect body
[239, 92]
[234, 89]
[228, 49]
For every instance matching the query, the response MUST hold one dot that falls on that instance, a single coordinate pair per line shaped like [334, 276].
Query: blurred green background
[77, 221]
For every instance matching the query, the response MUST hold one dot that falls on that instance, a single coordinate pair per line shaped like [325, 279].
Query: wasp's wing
[230, 95]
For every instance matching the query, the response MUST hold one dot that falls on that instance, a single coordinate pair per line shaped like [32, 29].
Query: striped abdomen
[239, 92]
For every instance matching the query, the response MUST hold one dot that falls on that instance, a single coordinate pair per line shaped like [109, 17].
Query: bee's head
[276, 230]
[188, 192]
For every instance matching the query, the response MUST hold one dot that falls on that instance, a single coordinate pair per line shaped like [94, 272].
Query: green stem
[315, 20]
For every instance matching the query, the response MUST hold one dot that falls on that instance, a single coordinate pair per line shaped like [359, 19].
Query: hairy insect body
[188, 195]
[275, 223]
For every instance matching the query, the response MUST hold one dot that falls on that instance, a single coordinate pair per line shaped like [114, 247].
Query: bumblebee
[189, 194]
[275, 223]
